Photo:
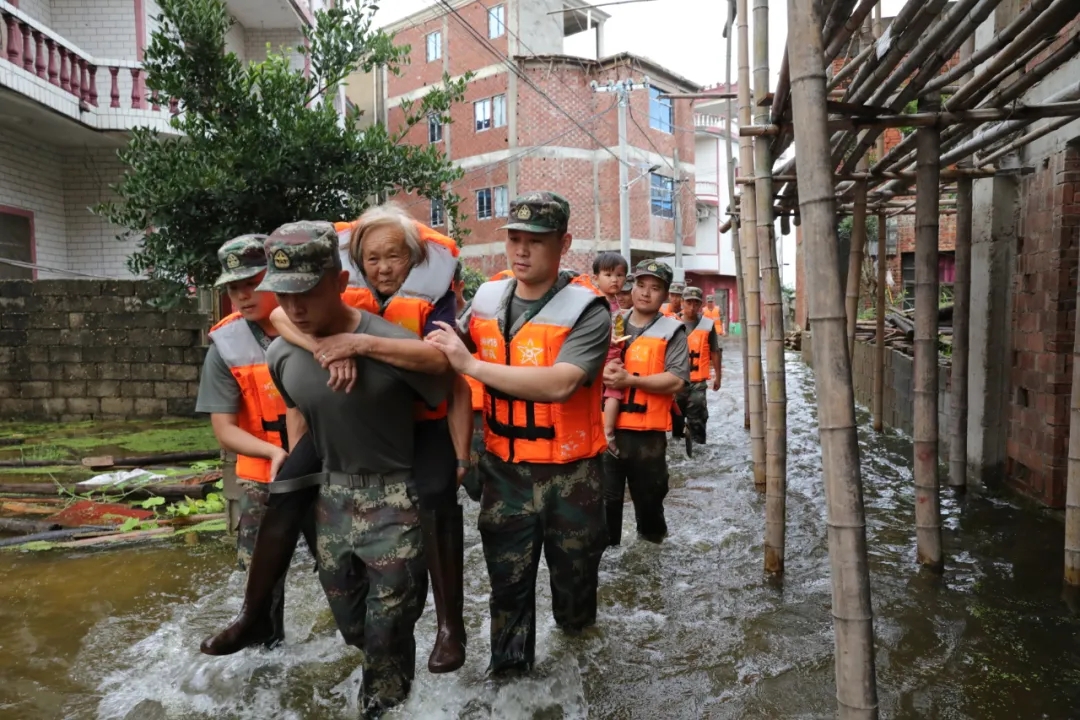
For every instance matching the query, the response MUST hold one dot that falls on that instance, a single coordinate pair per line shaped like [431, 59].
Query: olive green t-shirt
[370, 428]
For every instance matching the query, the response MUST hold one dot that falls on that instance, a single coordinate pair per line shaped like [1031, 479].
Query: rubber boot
[275, 543]
[614, 513]
[444, 545]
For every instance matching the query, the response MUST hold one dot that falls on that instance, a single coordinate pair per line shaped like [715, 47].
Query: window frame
[434, 124]
[480, 215]
[496, 101]
[500, 18]
[656, 122]
[437, 213]
[477, 104]
[504, 210]
[657, 192]
[437, 34]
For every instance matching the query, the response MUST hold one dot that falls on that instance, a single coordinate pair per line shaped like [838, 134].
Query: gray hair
[392, 216]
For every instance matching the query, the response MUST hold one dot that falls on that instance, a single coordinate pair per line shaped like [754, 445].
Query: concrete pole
[676, 195]
[624, 180]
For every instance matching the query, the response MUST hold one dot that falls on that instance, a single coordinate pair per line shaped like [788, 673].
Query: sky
[682, 35]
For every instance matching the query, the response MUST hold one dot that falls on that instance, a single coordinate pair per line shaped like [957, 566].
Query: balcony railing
[705, 188]
[27, 44]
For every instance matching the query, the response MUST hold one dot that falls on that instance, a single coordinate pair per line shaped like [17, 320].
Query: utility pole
[622, 90]
[676, 192]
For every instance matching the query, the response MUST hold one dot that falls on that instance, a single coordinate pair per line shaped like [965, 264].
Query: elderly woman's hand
[336, 353]
[447, 340]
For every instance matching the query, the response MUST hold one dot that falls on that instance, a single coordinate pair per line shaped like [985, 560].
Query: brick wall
[32, 178]
[75, 350]
[103, 28]
[236, 41]
[40, 10]
[257, 39]
[1044, 327]
[93, 248]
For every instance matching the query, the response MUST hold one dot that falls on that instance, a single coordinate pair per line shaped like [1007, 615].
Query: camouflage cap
[298, 255]
[656, 269]
[693, 293]
[628, 285]
[241, 258]
[677, 288]
[539, 212]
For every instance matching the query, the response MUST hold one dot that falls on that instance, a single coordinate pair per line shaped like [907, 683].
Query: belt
[363, 480]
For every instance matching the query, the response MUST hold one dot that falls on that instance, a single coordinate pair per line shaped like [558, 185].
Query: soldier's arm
[232, 437]
[716, 354]
[460, 418]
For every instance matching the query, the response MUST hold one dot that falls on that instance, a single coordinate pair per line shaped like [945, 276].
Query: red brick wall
[1043, 329]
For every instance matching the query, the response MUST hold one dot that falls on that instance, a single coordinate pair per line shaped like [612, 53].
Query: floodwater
[688, 629]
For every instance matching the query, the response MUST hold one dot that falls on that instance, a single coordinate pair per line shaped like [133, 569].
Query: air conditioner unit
[703, 212]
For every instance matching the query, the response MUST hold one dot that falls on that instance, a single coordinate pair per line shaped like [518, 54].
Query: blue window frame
[661, 111]
[661, 196]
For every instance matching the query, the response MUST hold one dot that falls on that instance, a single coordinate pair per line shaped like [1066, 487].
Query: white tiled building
[71, 87]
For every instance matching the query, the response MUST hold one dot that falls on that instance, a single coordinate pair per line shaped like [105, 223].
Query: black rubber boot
[614, 513]
[275, 543]
[444, 546]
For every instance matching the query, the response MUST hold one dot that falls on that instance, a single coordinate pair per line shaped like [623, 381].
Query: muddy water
[689, 629]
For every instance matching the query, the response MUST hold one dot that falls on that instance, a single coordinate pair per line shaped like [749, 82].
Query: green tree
[257, 145]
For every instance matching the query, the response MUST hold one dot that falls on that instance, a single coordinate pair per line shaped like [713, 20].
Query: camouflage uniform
[369, 543]
[531, 508]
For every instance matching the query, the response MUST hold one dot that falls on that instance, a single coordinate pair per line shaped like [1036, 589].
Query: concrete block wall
[103, 28]
[76, 350]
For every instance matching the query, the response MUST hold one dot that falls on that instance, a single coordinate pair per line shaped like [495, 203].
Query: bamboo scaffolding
[853, 620]
[878, 399]
[732, 201]
[751, 264]
[845, 32]
[925, 430]
[1072, 486]
[958, 374]
[855, 261]
[1042, 131]
[776, 382]
[850, 67]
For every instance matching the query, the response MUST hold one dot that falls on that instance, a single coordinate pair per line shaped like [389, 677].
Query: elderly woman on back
[404, 272]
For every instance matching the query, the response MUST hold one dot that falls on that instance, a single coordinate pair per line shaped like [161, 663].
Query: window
[16, 243]
[438, 213]
[434, 129]
[662, 190]
[498, 110]
[496, 21]
[661, 111]
[483, 204]
[502, 201]
[434, 46]
[907, 273]
[482, 113]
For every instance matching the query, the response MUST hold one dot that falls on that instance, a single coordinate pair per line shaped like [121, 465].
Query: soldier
[673, 307]
[712, 310]
[705, 356]
[246, 411]
[370, 549]
[623, 296]
[542, 337]
[655, 367]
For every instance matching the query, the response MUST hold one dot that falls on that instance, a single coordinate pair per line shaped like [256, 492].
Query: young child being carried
[609, 276]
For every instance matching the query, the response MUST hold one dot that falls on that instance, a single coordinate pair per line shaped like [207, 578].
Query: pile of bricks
[77, 349]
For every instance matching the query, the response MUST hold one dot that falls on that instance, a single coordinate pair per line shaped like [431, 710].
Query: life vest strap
[280, 428]
[529, 431]
[630, 406]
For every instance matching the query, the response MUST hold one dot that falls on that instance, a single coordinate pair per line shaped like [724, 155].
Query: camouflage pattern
[241, 258]
[539, 212]
[372, 569]
[471, 479]
[677, 288]
[628, 286]
[641, 465]
[659, 270]
[528, 509]
[252, 504]
[692, 293]
[298, 255]
[695, 411]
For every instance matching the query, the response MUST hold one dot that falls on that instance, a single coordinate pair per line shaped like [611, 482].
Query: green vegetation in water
[71, 441]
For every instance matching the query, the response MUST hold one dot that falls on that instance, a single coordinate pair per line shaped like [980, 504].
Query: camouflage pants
[527, 509]
[471, 481]
[252, 502]
[641, 465]
[695, 412]
[371, 566]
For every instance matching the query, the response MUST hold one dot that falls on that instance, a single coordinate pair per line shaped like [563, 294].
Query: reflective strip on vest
[517, 430]
[262, 413]
[641, 410]
[698, 345]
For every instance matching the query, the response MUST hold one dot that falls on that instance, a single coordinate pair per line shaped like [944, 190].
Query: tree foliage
[256, 145]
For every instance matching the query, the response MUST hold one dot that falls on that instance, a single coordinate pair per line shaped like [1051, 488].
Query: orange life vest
[698, 344]
[263, 411]
[666, 311]
[641, 410]
[517, 430]
[412, 304]
[711, 313]
[475, 385]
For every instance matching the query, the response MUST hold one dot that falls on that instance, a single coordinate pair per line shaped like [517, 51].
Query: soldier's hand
[716, 383]
[276, 461]
[615, 375]
[342, 375]
[447, 340]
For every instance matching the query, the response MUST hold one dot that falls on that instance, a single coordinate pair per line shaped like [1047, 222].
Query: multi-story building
[535, 117]
[71, 89]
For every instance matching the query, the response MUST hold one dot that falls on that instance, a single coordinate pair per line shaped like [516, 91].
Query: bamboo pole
[882, 269]
[776, 382]
[853, 618]
[751, 264]
[1025, 139]
[850, 67]
[855, 260]
[735, 243]
[925, 432]
[958, 373]
[1072, 487]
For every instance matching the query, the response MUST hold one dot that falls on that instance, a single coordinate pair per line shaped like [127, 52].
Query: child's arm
[290, 332]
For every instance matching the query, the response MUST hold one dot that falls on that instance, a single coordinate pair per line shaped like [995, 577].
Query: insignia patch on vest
[524, 213]
[232, 262]
[281, 260]
[530, 353]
